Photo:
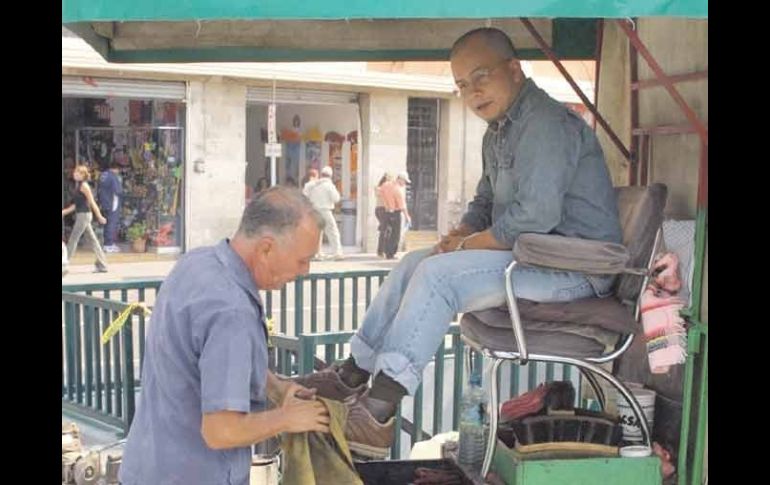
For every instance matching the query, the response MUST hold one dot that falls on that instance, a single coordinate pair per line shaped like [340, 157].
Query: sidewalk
[80, 273]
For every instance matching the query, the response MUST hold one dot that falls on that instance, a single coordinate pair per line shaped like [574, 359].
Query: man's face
[488, 82]
[279, 261]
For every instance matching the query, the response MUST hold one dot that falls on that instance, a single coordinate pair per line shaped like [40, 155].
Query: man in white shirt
[324, 196]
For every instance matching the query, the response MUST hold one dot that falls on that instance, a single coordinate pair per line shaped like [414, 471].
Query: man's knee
[431, 269]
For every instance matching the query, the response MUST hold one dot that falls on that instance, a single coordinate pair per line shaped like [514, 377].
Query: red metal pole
[597, 64]
[550, 54]
[703, 178]
[663, 78]
[633, 169]
[676, 78]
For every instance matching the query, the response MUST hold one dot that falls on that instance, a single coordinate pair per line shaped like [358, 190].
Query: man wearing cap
[393, 194]
[543, 172]
[403, 180]
[324, 196]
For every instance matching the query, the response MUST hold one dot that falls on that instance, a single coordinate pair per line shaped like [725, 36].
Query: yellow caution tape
[270, 323]
[115, 326]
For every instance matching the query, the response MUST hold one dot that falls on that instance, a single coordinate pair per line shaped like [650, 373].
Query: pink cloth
[663, 326]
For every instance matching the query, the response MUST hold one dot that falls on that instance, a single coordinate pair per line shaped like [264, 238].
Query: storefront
[140, 125]
[315, 129]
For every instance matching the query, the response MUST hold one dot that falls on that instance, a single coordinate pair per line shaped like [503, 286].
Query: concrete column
[216, 130]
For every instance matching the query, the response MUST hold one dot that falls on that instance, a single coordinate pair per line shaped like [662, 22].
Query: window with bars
[422, 162]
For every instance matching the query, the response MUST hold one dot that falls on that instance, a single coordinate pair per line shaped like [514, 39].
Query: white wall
[460, 137]
[384, 127]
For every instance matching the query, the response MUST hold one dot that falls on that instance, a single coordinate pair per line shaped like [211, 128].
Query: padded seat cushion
[607, 313]
[492, 329]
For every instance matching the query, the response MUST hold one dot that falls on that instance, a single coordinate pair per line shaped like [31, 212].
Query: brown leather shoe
[366, 436]
[329, 384]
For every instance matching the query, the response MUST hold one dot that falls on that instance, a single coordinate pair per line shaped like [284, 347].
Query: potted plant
[137, 234]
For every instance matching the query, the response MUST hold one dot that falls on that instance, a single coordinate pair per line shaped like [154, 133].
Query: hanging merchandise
[313, 157]
[335, 140]
[150, 160]
[353, 140]
[140, 113]
[97, 112]
[292, 138]
[169, 147]
[119, 115]
[170, 114]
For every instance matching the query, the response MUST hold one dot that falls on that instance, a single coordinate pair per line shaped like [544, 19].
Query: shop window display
[149, 150]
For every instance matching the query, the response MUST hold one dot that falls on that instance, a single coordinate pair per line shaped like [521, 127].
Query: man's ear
[515, 67]
[265, 245]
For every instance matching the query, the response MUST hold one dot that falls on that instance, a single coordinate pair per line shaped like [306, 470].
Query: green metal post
[438, 389]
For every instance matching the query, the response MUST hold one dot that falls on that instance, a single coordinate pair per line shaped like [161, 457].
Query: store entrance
[312, 137]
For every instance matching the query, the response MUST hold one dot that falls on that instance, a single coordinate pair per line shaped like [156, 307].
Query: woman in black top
[83, 205]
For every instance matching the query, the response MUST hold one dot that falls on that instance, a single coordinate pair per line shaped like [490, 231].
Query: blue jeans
[111, 228]
[411, 313]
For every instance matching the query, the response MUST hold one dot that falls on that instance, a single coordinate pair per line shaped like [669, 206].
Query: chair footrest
[582, 427]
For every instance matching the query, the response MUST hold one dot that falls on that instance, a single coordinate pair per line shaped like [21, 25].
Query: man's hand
[448, 244]
[450, 241]
[304, 414]
[478, 240]
[277, 389]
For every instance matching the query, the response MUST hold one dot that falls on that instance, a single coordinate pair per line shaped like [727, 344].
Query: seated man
[544, 172]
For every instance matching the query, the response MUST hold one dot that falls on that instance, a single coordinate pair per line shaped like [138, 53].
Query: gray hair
[277, 211]
[495, 39]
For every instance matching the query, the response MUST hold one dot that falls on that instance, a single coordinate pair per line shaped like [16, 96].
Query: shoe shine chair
[576, 333]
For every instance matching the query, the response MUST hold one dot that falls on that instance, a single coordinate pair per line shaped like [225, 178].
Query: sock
[351, 374]
[385, 388]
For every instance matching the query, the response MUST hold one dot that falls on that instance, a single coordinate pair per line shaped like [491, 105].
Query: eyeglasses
[479, 77]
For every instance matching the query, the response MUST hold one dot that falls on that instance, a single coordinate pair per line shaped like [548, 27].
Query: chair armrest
[571, 254]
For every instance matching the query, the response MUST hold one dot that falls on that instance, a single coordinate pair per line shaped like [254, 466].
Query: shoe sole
[368, 451]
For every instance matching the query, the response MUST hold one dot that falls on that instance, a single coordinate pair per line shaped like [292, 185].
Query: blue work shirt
[109, 191]
[206, 351]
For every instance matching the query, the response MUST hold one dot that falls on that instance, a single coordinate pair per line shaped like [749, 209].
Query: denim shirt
[544, 172]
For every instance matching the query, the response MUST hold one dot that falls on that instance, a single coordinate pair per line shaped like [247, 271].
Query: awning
[326, 30]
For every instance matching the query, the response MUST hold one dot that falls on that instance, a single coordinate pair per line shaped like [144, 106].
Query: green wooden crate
[583, 471]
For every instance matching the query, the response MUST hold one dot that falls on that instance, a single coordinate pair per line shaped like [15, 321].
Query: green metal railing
[98, 380]
[323, 302]
[124, 291]
[139, 291]
[325, 310]
[101, 381]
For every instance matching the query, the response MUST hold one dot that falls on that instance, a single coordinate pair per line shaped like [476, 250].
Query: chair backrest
[641, 215]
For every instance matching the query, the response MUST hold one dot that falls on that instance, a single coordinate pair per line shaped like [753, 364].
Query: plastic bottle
[474, 426]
